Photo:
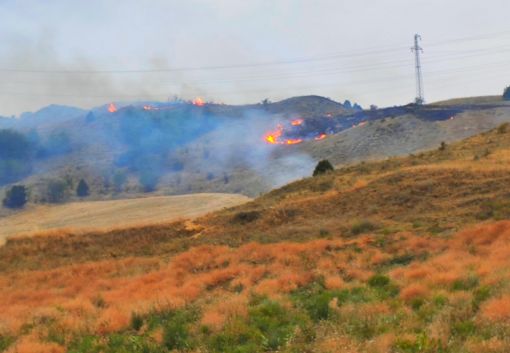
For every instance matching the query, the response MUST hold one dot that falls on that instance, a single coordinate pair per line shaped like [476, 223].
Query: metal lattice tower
[420, 96]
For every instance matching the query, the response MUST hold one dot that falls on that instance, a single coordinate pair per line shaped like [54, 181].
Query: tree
[83, 189]
[506, 94]
[56, 191]
[323, 167]
[119, 179]
[149, 180]
[16, 197]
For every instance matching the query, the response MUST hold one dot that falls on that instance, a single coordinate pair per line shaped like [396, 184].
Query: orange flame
[296, 122]
[320, 137]
[293, 141]
[112, 108]
[199, 102]
[273, 136]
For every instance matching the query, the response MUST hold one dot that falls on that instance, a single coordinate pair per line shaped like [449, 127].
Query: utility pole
[420, 97]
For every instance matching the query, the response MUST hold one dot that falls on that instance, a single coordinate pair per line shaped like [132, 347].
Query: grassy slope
[366, 259]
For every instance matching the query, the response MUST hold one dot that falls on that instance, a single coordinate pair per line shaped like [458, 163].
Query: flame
[199, 102]
[148, 107]
[296, 122]
[273, 136]
[112, 108]
[320, 137]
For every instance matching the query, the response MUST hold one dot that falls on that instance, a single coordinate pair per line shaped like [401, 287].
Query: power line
[338, 55]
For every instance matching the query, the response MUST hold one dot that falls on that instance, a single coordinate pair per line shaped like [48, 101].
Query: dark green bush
[323, 167]
[56, 191]
[362, 227]
[136, 321]
[83, 189]
[16, 197]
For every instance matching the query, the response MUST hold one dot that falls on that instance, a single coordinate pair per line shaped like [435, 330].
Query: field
[405, 255]
[113, 214]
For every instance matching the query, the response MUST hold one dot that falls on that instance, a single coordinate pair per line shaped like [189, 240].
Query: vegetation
[82, 190]
[16, 197]
[418, 273]
[15, 156]
[323, 167]
[506, 94]
[56, 191]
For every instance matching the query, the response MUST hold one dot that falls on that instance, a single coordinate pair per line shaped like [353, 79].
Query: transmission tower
[420, 97]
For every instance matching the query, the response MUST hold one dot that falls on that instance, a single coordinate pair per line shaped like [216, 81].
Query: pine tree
[83, 189]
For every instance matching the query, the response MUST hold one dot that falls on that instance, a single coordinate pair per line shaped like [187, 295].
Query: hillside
[85, 216]
[403, 255]
[180, 148]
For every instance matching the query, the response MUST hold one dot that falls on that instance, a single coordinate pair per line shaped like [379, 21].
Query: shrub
[176, 335]
[378, 281]
[503, 128]
[119, 179]
[56, 191]
[136, 321]
[362, 227]
[244, 217]
[149, 180]
[442, 147]
[506, 94]
[323, 167]
[83, 189]
[16, 197]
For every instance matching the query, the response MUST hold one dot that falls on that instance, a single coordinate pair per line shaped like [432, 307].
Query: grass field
[114, 213]
[406, 255]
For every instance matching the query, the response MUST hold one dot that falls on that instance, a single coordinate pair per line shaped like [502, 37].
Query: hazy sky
[238, 51]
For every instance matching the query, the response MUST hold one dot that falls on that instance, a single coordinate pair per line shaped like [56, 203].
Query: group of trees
[18, 152]
[56, 191]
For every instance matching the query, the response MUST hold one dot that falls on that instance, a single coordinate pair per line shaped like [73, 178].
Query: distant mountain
[47, 116]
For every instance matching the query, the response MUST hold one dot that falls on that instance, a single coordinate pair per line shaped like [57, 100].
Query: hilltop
[405, 255]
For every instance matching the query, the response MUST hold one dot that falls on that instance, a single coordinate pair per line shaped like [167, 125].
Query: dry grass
[434, 234]
[87, 216]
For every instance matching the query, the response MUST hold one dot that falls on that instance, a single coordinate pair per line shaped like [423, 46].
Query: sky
[88, 53]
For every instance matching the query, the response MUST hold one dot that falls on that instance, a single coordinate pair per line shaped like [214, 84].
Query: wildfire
[274, 137]
[296, 122]
[199, 102]
[112, 108]
[293, 141]
[148, 107]
[320, 137]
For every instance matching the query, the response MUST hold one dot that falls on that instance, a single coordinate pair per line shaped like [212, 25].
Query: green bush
[136, 321]
[323, 167]
[83, 189]
[175, 332]
[378, 281]
[269, 327]
[362, 227]
[16, 197]
[56, 191]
